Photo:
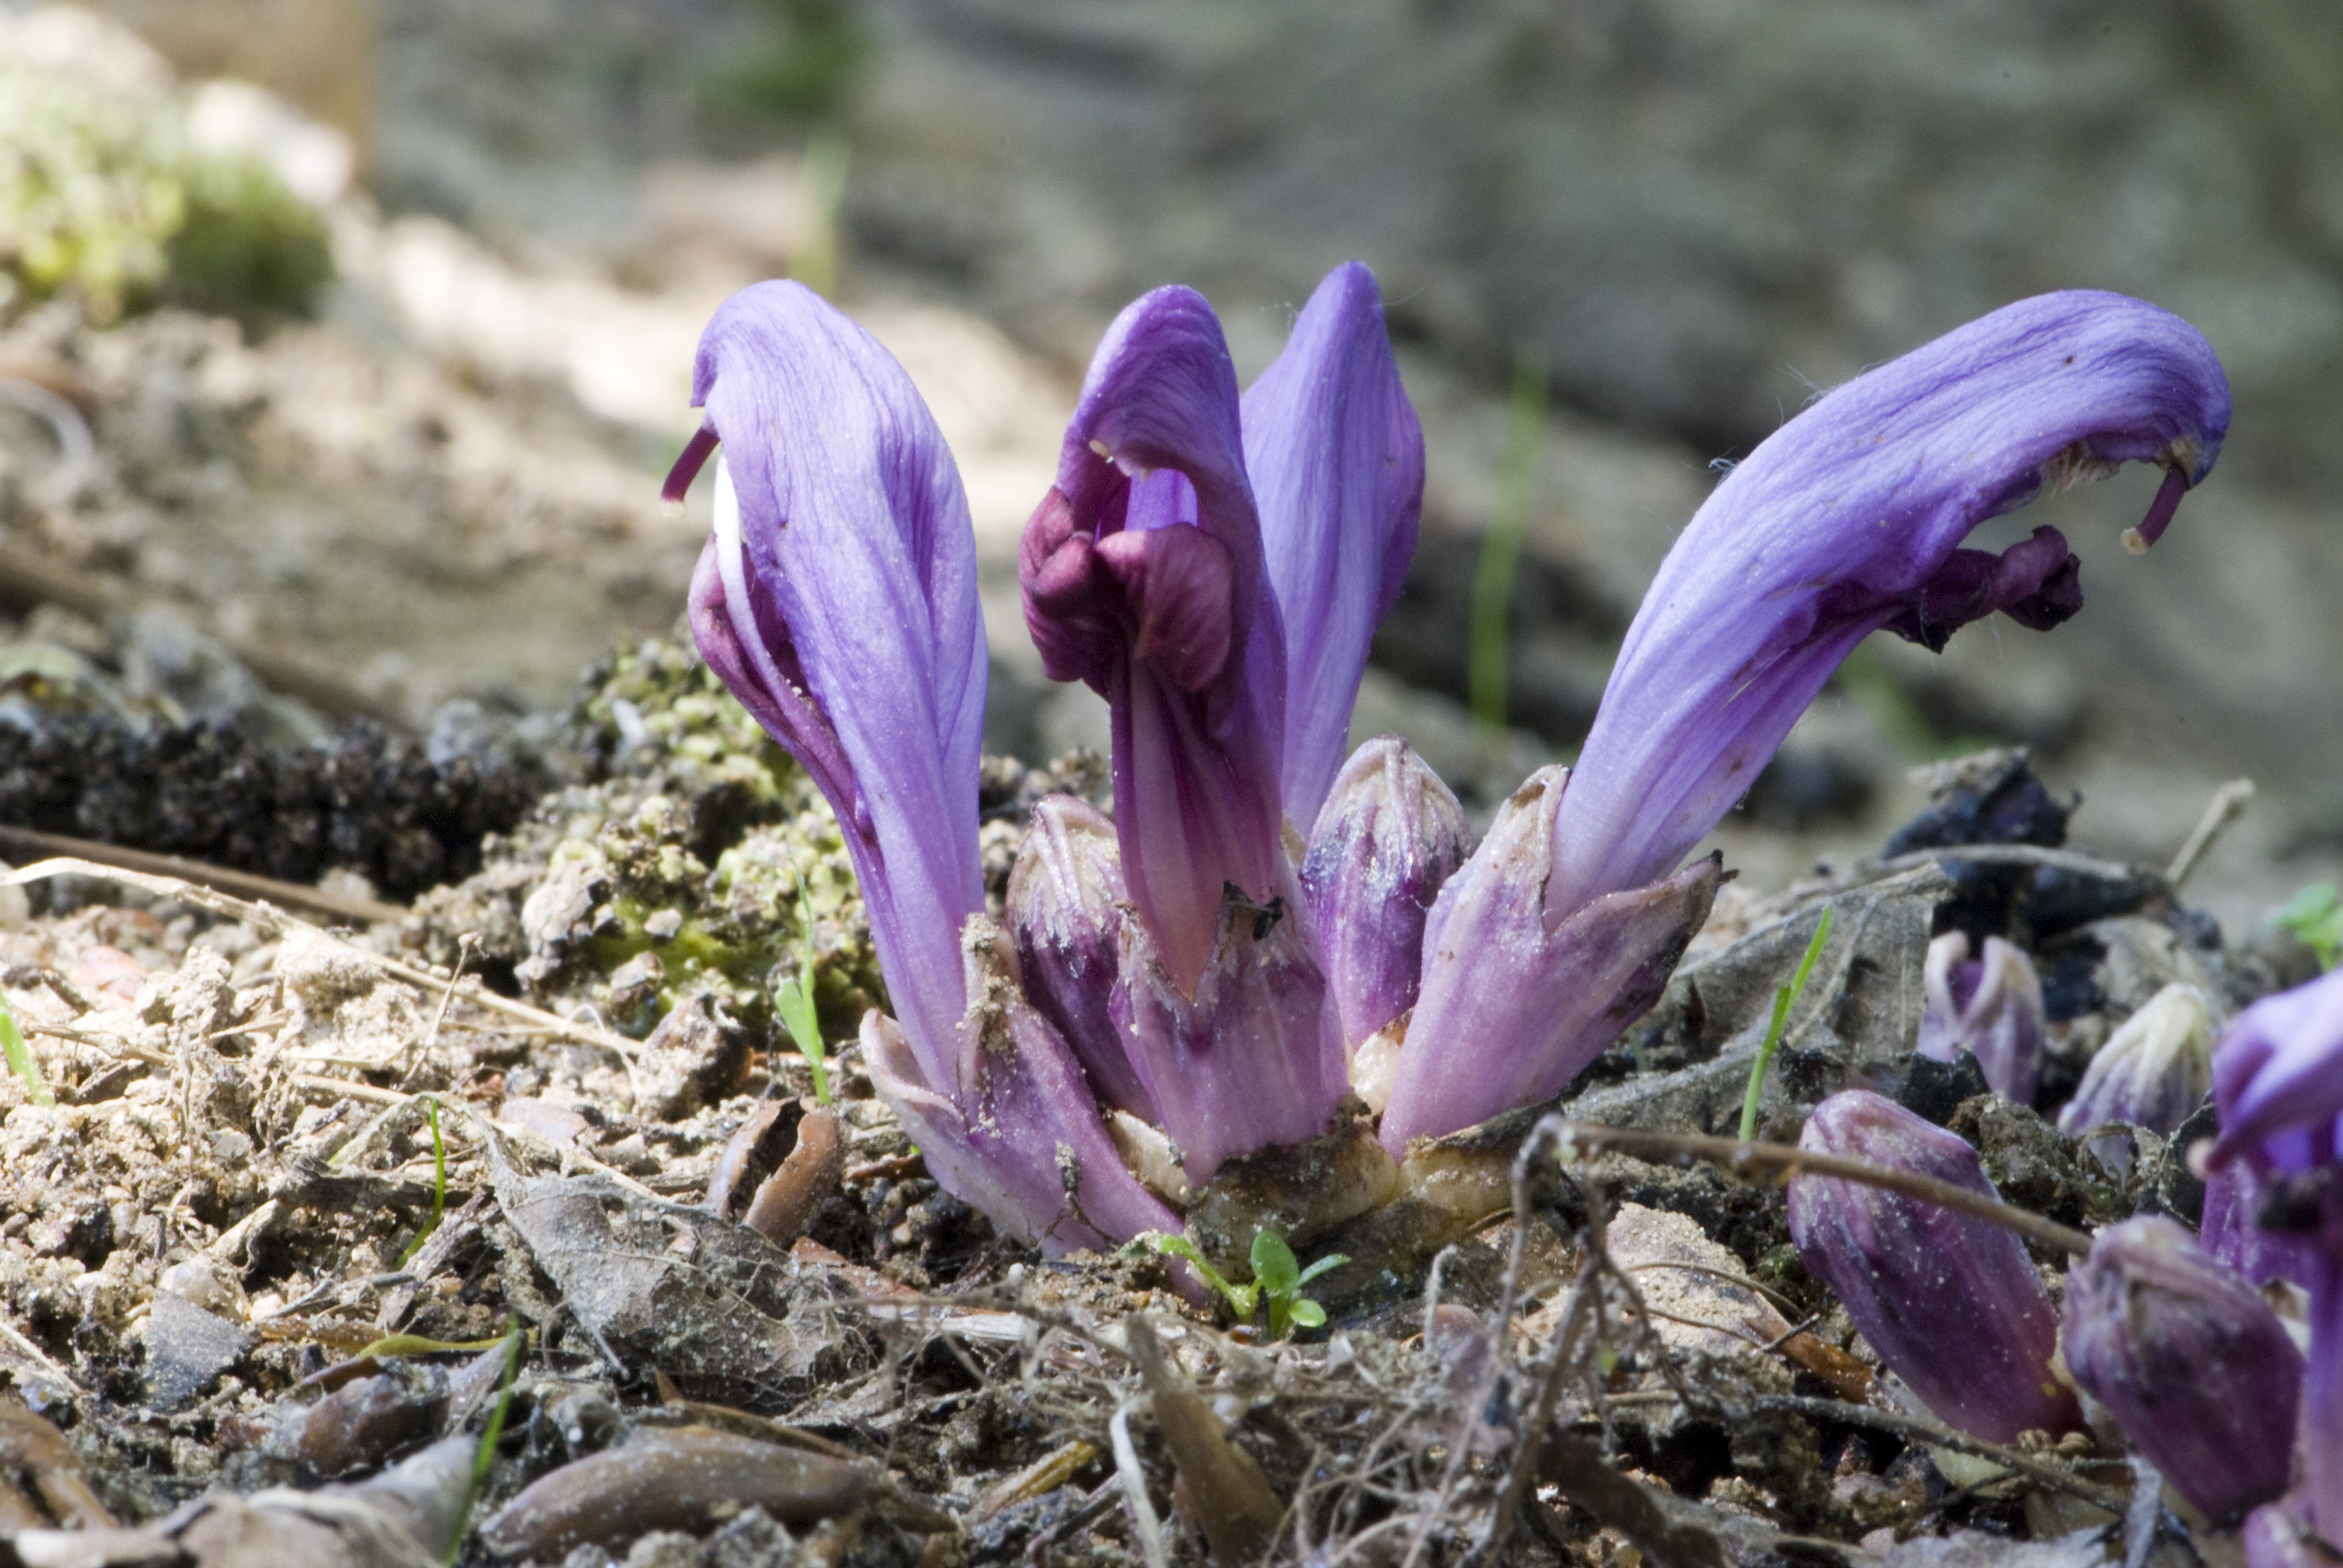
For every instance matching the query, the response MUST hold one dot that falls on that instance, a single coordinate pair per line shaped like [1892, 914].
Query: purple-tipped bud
[1951, 1304]
[1990, 1006]
[2194, 1367]
[2277, 1081]
[1253, 1055]
[2153, 1071]
[1516, 1002]
[1390, 835]
[1017, 1131]
[1066, 899]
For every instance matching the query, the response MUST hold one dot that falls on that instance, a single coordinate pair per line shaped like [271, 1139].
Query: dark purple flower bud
[2277, 1083]
[1951, 1304]
[838, 600]
[1389, 837]
[1065, 910]
[2153, 1071]
[1252, 1055]
[1016, 1131]
[1991, 1007]
[1516, 1000]
[1143, 577]
[2194, 1367]
[1337, 463]
[1846, 521]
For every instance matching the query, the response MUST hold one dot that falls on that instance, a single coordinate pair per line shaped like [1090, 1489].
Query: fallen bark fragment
[785, 1200]
[1578, 1467]
[1226, 1494]
[687, 1479]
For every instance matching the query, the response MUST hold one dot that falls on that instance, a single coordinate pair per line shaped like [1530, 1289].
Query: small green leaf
[20, 1059]
[2314, 917]
[1785, 999]
[1331, 1261]
[1242, 1299]
[1309, 1314]
[1274, 1269]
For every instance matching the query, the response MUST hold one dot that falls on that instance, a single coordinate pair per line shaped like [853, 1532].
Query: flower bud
[1065, 912]
[1390, 835]
[2192, 1364]
[1990, 1006]
[2153, 1072]
[1951, 1304]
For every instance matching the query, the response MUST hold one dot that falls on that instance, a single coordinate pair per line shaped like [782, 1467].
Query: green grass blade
[20, 1058]
[1784, 1001]
[1501, 548]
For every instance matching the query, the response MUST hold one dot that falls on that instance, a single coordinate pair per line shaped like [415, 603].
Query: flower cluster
[1258, 926]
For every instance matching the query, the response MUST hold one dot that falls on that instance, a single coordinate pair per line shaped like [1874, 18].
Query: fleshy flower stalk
[2277, 1085]
[1990, 1006]
[2196, 1368]
[1951, 1304]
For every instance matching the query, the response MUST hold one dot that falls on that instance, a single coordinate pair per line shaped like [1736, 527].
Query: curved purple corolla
[1846, 521]
[1990, 1006]
[2278, 1085]
[837, 598]
[1336, 456]
[843, 567]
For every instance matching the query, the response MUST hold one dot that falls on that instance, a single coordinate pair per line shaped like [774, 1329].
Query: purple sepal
[1389, 837]
[1515, 1003]
[1142, 573]
[1252, 1055]
[1065, 910]
[1847, 520]
[1336, 458]
[2189, 1359]
[1951, 1304]
[2279, 1535]
[2153, 1071]
[2234, 1197]
[1989, 1006]
[1016, 1133]
[838, 599]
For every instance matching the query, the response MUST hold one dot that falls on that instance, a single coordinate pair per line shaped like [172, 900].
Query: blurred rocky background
[432, 478]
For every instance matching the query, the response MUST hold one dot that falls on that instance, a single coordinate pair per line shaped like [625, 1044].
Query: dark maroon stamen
[687, 466]
[2159, 512]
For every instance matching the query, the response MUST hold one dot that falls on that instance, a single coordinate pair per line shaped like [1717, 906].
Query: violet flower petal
[2277, 1078]
[1990, 1006]
[1336, 456]
[1143, 576]
[1951, 1304]
[838, 598]
[1064, 909]
[1251, 1054]
[1017, 1133]
[1514, 1004]
[1846, 521]
[2153, 1071]
[2230, 1228]
[2196, 1368]
[1389, 837]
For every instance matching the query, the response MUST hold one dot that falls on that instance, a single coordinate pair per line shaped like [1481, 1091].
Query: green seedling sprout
[1501, 548]
[1785, 999]
[484, 1458]
[793, 998]
[20, 1058]
[1277, 1279]
[438, 1184]
[2313, 916]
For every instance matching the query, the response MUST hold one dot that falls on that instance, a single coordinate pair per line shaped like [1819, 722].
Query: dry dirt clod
[686, 1479]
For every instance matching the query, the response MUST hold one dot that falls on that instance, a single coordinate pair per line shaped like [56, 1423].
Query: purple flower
[1515, 1002]
[1389, 836]
[2152, 1073]
[2278, 1084]
[1990, 1006]
[1847, 521]
[1065, 910]
[2196, 1368]
[1951, 1304]
[838, 600]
